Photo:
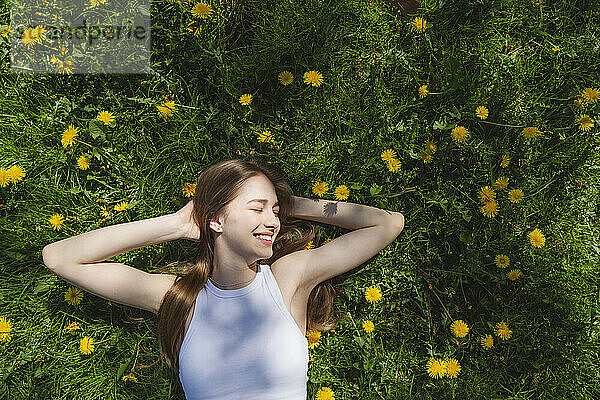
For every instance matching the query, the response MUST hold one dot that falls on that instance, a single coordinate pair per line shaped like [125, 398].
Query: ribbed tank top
[243, 344]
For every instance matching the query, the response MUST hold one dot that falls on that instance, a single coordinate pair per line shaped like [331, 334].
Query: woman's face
[255, 210]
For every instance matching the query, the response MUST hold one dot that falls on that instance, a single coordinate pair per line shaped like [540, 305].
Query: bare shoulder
[290, 271]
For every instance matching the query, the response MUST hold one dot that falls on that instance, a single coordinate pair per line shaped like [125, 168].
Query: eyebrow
[263, 201]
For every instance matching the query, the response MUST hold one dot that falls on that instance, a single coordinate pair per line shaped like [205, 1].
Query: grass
[441, 268]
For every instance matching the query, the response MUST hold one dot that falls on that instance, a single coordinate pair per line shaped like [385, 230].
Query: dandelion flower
[313, 78]
[201, 10]
[577, 103]
[373, 294]
[341, 192]
[56, 221]
[536, 238]
[459, 134]
[590, 95]
[73, 295]
[265, 136]
[388, 155]
[430, 146]
[452, 368]
[15, 173]
[435, 368]
[502, 261]
[513, 274]
[585, 122]
[122, 206]
[368, 326]
[393, 165]
[72, 327]
[459, 328]
[5, 31]
[86, 345]
[314, 338]
[490, 209]
[505, 161]
[531, 132]
[5, 328]
[286, 78]
[309, 245]
[29, 37]
[515, 195]
[69, 136]
[482, 112]
[129, 377]
[486, 194]
[83, 162]
[423, 91]
[189, 189]
[325, 393]
[320, 188]
[487, 341]
[166, 109]
[245, 99]
[501, 183]
[419, 25]
[105, 117]
[503, 331]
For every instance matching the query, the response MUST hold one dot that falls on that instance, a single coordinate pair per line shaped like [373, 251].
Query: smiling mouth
[263, 241]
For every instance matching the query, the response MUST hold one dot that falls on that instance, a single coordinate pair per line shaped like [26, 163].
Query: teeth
[265, 237]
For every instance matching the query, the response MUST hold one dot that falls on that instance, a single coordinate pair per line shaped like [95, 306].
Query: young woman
[233, 323]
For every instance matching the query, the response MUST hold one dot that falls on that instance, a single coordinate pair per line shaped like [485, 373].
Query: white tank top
[243, 344]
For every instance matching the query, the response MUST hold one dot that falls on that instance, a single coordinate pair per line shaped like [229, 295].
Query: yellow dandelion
[555, 48]
[105, 117]
[64, 67]
[368, 326]
[72, 327]
[325, 393]
[29, 37]
[393, 165]
[388, 155]
[590, 95]
[309, 245]
[286, 77]
[86, 345]
[515, 195]
[430, 146]
[245, 99]
[122, 206]
[427, 157]
[313, 337]
[320, 188]
[69, 136]
[423, 91]
[419, 25]
[373, 294]
[341, 192]
[482, 112]
[15, 173]
[585, 122]
[501, 183]
[5, 31]
[166, 109]
[536, 238]
[502, 261]
[577, 103]
[486, 194]
[505, 161]
[514, 274]
[189, 189]
[452, 368]
[459, 328]
[56, 221]
[490, 209]
[201, 10]
[313, 78]
[435, 368]
[73, 295]
[459, 134]
[4, 179]
[103, 211]
[531, 132]
[83, 162]
[5, 328]
[129, 377]
[265, 136]
[487, 341]
[502, 331]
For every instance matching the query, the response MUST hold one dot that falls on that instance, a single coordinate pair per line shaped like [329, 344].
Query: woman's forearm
[101, 244]
[343, 214]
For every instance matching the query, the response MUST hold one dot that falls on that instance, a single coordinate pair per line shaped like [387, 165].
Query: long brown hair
[217, 186]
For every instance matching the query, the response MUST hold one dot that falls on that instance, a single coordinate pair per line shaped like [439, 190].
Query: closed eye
[255, 209]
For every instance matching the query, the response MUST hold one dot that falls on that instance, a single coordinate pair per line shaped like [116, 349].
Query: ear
[215, 224]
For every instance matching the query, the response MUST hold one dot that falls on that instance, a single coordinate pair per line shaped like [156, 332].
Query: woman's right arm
[79, 260]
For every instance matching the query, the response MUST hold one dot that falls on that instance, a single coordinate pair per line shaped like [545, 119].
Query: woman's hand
[189, 228]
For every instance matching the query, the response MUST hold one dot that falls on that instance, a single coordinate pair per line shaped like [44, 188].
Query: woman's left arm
[343, 214]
